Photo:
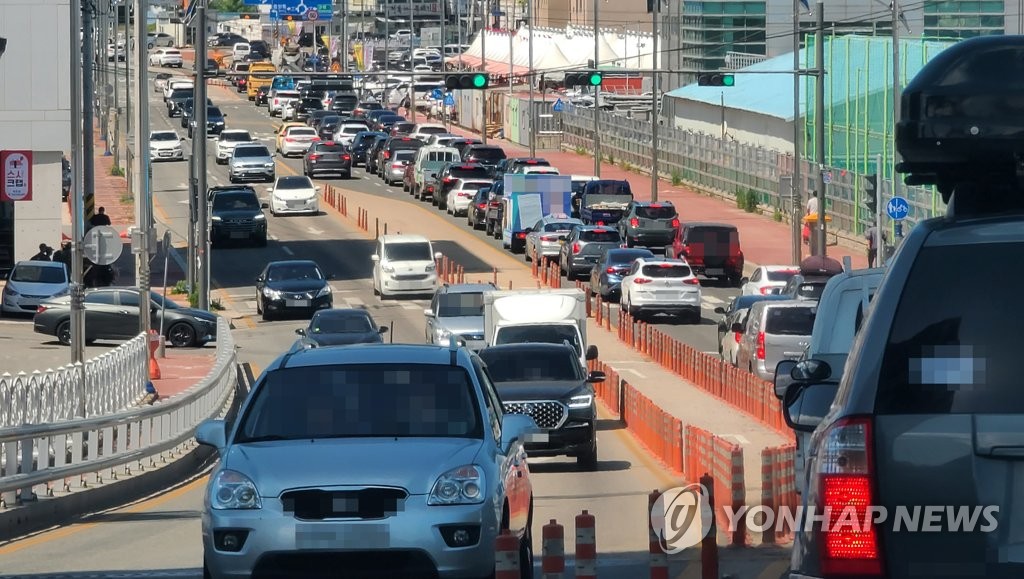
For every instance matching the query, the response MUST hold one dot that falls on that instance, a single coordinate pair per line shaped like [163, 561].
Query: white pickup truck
[553, 316]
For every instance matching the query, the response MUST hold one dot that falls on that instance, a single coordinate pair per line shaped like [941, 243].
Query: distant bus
[258, 78]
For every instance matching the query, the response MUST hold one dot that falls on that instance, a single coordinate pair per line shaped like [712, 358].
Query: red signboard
[16, 170]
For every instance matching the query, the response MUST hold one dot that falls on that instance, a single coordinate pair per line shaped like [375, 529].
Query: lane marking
[287, 250]
[354, 302]
[638, 374]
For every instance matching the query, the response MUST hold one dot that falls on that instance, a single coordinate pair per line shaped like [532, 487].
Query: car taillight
[40, 309]
[387, 155]
[737, 336]
[766, 290]
[846, 470]
[600, 222]
[641, 280]
[691, 281]
[479, 205]
[520, 235]
[576, 248]
[314, 157]
[289, 140]
[548, 238]
[448, 180]
[760, 345]
[675, 223]
[346, 157]
[634, 222]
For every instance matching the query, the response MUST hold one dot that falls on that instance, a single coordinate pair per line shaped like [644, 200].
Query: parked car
[606, 276]
[292, 286]
[236, 213]
[711, 249]
[340, 327]
[29, 283]
[457, 310]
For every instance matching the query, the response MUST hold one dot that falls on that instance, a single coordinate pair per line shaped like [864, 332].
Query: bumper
[719, 271]
[300, 149]
[762, 371]
[321, 167]
[461, 204]
[278, 544]
[389, 285]
[396, 173]
[651, 238]
[288, 305]
[311, 205]
[580, 267]
[252, 173]
[653, 303]
[251, 232]
[574, 437]
[549, 248]
[176, 155]
[611, 286]
[21, 304]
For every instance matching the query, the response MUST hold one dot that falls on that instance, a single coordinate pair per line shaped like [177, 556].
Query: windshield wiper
[264, 438]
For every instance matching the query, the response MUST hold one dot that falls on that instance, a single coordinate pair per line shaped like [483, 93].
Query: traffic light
[588, 78]
[871, 192]
[474, 81]
[716, 79]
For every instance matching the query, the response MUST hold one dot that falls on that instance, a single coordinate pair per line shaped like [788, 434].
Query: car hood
[28, 288]
[538, 390]
[297, 285]
[294, 193]
[342, 339]
[410, 463]
[253, 161]
[462, 324]
[238, 214]
[165, 144]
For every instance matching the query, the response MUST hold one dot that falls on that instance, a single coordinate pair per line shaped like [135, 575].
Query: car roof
[653, 203]
[290, 262]
[595, 227]
[708, 224]
[403, 238]
[661, 261]
[583, 178]
[561, 218]
[467, 288]
[529, 347]
[371, 354]
[788, 303]
[40, 263]
[343, 313]
[744, 302]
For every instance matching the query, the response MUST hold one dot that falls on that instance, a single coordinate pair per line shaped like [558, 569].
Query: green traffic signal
[479, 81]
[595, 79]
[728, 80]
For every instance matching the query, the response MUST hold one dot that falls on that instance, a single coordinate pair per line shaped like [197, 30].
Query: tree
[230, 6]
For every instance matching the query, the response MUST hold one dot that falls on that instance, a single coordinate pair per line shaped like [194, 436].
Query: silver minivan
[775, 331]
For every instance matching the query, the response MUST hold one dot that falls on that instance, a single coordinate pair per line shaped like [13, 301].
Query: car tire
[526, 549]
[588, 460]
[231, 178]
[261, 241]
[63, 332]
[181, 335]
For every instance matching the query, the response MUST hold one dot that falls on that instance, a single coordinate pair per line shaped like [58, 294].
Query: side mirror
[318, 188]
[596, 377]
[744, 280]
[516, 427]
[375, 258]
[783, 377]
[438, 255]
[260, 279]
[737, 327]
[806, 406]
[212, 433]
[528, 230]
[720, 310]
[382, 330]
[811, 371]
[264, 205]
[300, 331]
[591, 353]
[428, 312]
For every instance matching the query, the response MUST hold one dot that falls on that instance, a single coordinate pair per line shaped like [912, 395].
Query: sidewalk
[182, 369]
[764, 241]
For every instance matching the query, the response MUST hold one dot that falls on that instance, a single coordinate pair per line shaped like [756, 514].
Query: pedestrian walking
[45, 251]
[63, 255]
[871, 235]
[812, 204]
[101, 218]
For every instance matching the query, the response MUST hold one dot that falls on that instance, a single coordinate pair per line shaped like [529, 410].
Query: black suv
[450, 174]
[237, 214]
[547, 383]
[649, 224]
[307, 105]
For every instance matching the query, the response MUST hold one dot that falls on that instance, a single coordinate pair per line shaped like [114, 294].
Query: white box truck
[552, 316]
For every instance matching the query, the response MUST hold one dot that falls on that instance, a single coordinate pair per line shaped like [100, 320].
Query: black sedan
[327, 157]
[112, 313]
[341, 327]
[546, 382]
[292, 286]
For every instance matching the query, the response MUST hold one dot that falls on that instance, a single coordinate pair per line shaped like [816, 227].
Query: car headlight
[233, 490]
[581, 401]
[259, 217]
[215, 218]
[271, 293]
[430, 267]
[443, 333]
[10, 291]
[268, 165]
[460, 486]
[387, 269]
[324, 291]
[203, 320]
[62, 293]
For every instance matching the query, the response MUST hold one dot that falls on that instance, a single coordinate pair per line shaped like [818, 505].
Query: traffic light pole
[879, 244]
[819, 125]
[484, 17]
[76, 288]
[654, 103]
[597, 91]
[199, 142]
[533, 111]
[143, 191]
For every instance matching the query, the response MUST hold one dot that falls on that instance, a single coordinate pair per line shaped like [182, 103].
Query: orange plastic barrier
[778, 486]
[723, 460]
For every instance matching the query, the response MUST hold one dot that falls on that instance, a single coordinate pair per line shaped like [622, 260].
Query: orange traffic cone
[154, 343]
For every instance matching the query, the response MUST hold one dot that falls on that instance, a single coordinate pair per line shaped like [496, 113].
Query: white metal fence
[76, 453]
[103, 385]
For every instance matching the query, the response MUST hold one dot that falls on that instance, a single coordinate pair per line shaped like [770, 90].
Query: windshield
[408, 252]
[252, 152]
[531, 365]
[294, 183]
[235, 201]
[39, 274]
[463, 172]
[352, 129]
[163, 136]
[365, 400]
[160, 301]
[236, 136]
[404, 155]
[340, 324]
[782, 275]
[459, 305]
[444, 156]
[652, 212]
[301, 132]
[487, 154]
[608, 188]
[578, 186]
[294, 271]
[539, 333]
[669, 270]
[432, 130]
[472, 185]
[790, 321]
[333, 148]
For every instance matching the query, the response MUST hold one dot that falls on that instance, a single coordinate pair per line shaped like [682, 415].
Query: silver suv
[458, 310]
[395, 458]
[249, 162]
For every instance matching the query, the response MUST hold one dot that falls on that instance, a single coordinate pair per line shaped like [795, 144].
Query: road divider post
[659, 559]
[552, 551]
[506, 556]
[586, 546]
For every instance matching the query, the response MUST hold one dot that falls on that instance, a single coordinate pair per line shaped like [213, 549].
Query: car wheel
[64, 332]
[261, 241]
[588, 460]
[526, 549]
[526, 255]
[181, 335]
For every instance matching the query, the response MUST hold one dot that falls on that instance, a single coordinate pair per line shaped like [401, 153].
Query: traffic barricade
[586, 546]
[552, 564]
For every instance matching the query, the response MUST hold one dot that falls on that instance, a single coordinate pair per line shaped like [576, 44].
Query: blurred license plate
[341, 535]
[714, 271]
[297, 303]
[239, 235]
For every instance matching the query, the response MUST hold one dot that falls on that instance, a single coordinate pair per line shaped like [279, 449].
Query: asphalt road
[161, 537]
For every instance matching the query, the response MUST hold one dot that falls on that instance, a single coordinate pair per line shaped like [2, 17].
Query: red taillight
[675, 223]
[520, 235]
[850, 540]
[760, 345]
[387, 155]
[610, 270]
[600, 222]
[641, 280]
[289, 140]
[448, 179]
[766, 290]
[549, 238]
[329, 143]
[40, 309]
[737, 336]
[576, 248]
[691, 281]
[346, 157]
[479, 205]
[314, 157]
[634, 222]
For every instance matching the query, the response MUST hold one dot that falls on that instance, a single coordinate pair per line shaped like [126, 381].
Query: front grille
[34, 297]
[411, 277]
[367, 503]
[300, 296]
[238, 224]
[546, 413]
[412, 564]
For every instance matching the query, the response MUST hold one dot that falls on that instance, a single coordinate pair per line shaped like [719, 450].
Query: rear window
[332, 148]
[811, 291]
[781, 275]
[651, 212]
[459, 172]
[459, 305]
[410, 144]
[956, 355]
[600, 235]
[472, 186]
[790, 321]
[719, 238]
[487, 154]
[352, 129]
[608, 188]
[559, 226]
[432, 130]
[666, 270]
[623, 257]
[445, 156]
[301, 132]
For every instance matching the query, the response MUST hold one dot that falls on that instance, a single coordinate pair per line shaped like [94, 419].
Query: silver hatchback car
[390, 459]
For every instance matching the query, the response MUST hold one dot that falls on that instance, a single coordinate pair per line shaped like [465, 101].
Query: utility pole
[879, 238]
[412, 67]
[143, 192]
[798, 134]
[88, 107]
[117, 97]
[511, 48]
[819, 125]
[484, 17]
[78, 212]
[533, 106]
[129, 125]
[102, 70]
[655, 84]
[597, 91]
[896, 92]
[344, 35]
[199, 146]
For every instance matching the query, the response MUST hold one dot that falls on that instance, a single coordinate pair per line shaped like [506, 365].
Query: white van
[549, 316]
[404, 264]
[240, 50]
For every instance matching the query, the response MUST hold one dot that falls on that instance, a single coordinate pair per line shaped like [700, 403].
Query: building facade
[35, 115]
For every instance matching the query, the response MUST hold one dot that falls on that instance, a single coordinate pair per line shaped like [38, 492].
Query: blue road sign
[449, 100]
[437, 93]
[559, 106]
[897, 208]
[297, 8]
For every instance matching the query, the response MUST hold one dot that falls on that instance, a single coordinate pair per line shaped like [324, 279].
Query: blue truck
[604, 202]
[527, 199]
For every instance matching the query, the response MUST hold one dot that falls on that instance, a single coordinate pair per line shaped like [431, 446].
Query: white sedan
[165, 146]
[294, 194]
[297, 141]
[228, 140]
[658, 285]
[461, 195]
[166, 57]
[766, 278]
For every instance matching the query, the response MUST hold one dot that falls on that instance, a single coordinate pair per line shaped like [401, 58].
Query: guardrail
[86, 450]
[105, 384]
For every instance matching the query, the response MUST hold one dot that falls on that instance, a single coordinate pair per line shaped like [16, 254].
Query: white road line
[714, 300]
[739, 439]
[287, 250]
[273, 238]
[314, 231]
[409, 306]
[638, 374]
[354, 302]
